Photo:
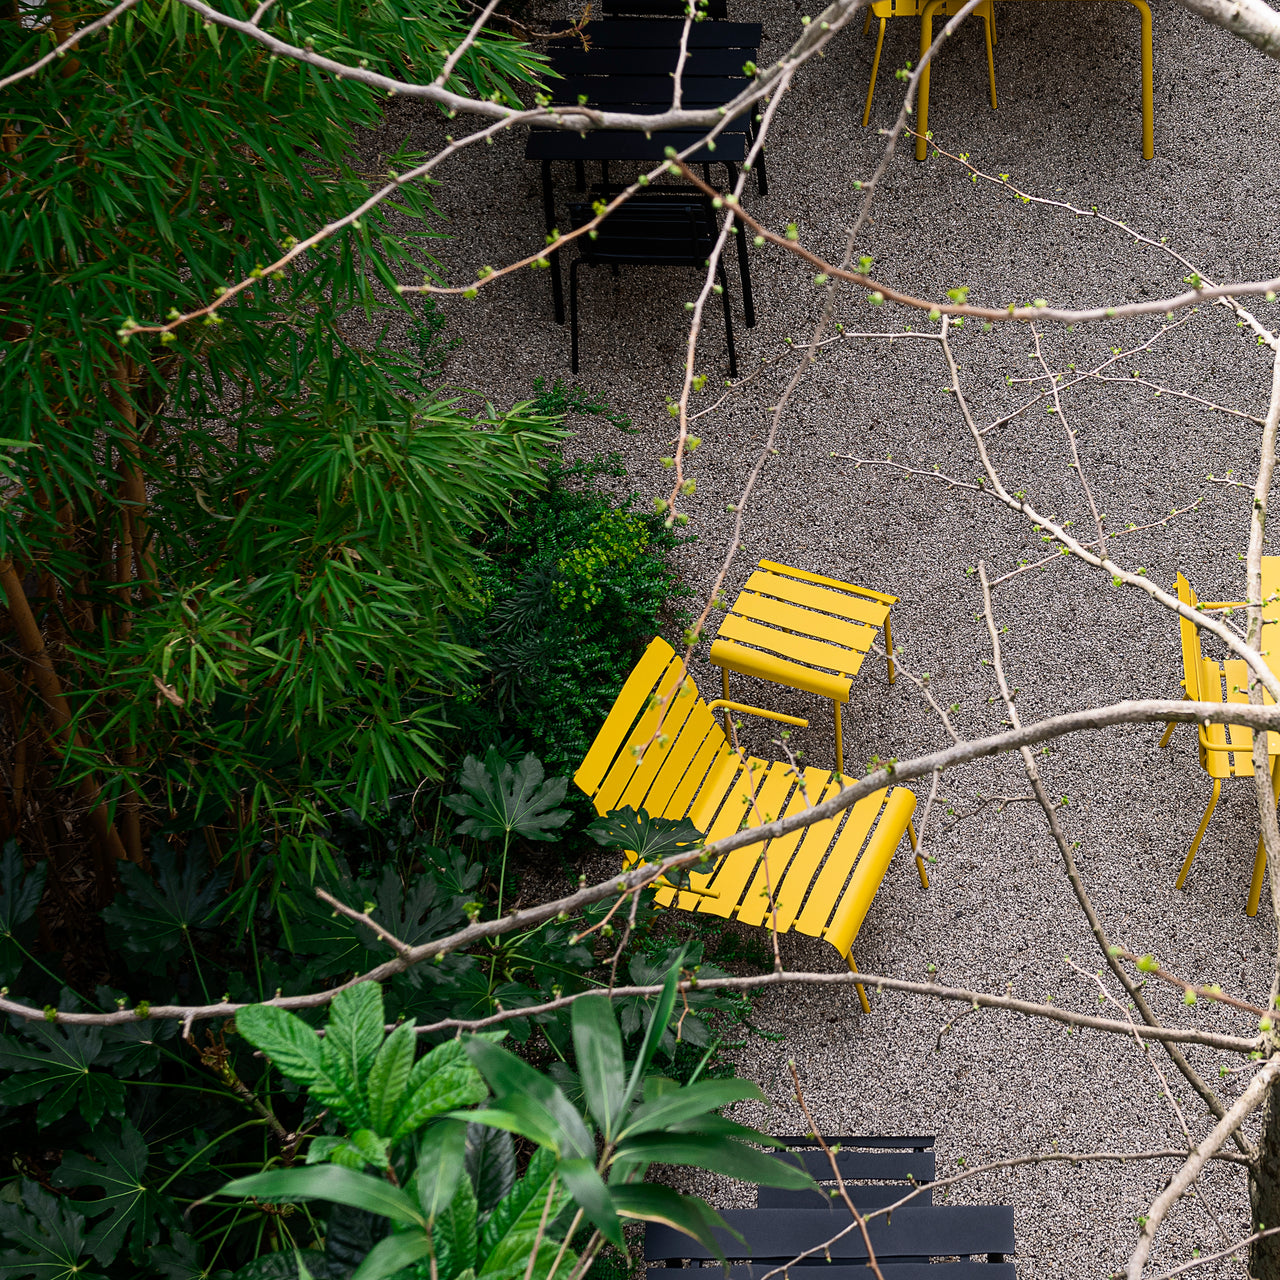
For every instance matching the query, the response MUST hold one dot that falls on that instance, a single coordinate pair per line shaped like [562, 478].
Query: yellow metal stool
[804, 631]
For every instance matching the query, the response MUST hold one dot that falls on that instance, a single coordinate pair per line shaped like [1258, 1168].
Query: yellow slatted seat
[1226, 750]
[662, 749]
[802, 631]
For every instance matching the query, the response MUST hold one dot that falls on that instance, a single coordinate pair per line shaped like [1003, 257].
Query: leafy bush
[575, 587]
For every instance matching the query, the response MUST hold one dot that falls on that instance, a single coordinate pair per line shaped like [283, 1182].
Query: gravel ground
[1000, 910]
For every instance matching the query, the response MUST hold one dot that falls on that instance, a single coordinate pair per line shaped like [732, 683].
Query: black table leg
[549, 213]
[744, 270]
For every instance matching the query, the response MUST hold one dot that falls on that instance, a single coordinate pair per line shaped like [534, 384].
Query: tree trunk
[1264, 1192]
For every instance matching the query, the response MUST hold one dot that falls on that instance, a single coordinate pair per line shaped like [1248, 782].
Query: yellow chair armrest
[1224, 604]
[724, 704]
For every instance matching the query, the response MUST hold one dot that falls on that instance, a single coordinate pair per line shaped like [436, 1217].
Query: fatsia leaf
[598, 1045]
[20, 892]
[520, 1210]
[439, 1082]
[649, 1202]
[117, 1167]
[590, 1194]
[393, 1254]
[650, 839]
[497, 799]
[525, 1092]
[722, 1155]
[47, 1236]
[53, 1063]
[153, 917]
[491, 1164]
[329, 1182]
[389, 1075]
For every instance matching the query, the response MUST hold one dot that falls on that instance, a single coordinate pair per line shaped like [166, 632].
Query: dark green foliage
[20, 892]
[650, 839]
[578, 584]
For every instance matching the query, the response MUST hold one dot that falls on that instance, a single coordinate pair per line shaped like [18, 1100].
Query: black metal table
[629, 65]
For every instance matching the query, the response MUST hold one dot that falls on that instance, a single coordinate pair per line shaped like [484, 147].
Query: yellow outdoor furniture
[933, 7]
[1226, 750]
[804, 631]
[886, 9]
[662, 749]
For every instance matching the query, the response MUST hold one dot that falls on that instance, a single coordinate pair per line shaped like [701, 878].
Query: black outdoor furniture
[718, 9]
[976, 1238]
[627, 64]
[652, 230]
[894, 1165]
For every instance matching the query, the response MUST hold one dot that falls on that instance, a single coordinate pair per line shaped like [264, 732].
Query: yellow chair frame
[788, 624]
[934, 7]
[1226, 750]
[662, 749]
[886, 9]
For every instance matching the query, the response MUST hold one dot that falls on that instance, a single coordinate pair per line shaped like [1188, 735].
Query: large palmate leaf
[116, 1166]
[54, 1064]
[20, 892]
[153, 917]
[650, 839]
[45, 1239]
[497, 799]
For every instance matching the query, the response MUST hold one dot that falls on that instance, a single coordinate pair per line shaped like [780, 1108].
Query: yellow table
[1148, 102]
[804, 631]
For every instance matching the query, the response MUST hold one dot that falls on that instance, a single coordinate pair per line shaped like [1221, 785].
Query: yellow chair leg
[988, 23]
[862, 994]
[888, 648]
[839, 740]
[866, 26]
[922, 100]
[1168, 733]
[1204, 822]
[875, 68]
[915, 845]
[995, 38]
[1148, 74]
[724, 684]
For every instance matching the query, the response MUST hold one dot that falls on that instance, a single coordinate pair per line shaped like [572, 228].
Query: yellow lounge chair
[1226, 750]
[662, 749]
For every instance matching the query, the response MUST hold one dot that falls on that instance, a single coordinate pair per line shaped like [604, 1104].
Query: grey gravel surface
[1000, 911]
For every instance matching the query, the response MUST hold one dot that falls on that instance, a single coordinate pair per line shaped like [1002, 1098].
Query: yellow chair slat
[800, 648]
[755, 908]
[812, 596]
[692, 771]
[768, 666]
[774, 567]
[829, 883]
[680, 760]
[655, 758]
[855, 901]
[635, 693]
[805, 622]
[772, 783]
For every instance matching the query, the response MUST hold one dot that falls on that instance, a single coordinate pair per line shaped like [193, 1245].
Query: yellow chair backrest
[1192, 658]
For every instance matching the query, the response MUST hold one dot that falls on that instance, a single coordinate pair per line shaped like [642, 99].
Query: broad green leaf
[497, 799]
[491, 1164]
[353, 1036]
[439, 1082]
[47, 1239]
[329, 1182]
[649, 1202]
[538, 1129]
[393, 1254]
[699, 1099]
[118, 1169]
[650, 839]
[721, 1155]
[654, 1031]
[598, 1045]
[510, 1260]
[441, 1161]
[521, 1208]
[289, 1042]
[456, 1233]
[590, 1194]
[520, 1089]
[389, 1075]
